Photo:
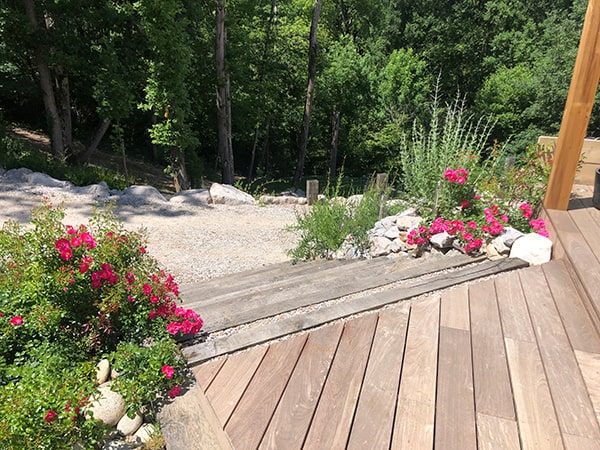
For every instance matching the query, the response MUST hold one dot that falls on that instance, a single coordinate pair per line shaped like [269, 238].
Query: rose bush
[70, 296]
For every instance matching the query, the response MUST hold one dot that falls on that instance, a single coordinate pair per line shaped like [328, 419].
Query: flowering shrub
[68, 297]
[470, 222]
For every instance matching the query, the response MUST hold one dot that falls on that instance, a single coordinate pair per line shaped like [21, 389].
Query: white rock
[504, 241]
[99, 192]
[533, 248]
[117, 445]
[229, 195]
[41, 179]
[144, 434]
[406, 223]
[282, 200]
[108, 406]
[192, 197]
[16, 176]
[442, 240]
[127, 426]
[103, 371]
[141, 195]
[380, 246]
[392, 233]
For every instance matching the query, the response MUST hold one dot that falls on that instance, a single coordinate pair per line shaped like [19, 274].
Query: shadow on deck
[508, 361]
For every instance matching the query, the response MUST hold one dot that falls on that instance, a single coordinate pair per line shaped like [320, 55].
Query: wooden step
[306, 319]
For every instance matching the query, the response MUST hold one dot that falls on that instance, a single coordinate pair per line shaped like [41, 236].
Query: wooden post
[578, 108]
[312, 191]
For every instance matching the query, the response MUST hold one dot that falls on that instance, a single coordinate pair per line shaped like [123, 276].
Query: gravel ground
[193, 243]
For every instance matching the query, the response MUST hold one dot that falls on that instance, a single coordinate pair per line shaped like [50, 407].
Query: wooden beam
[578, 108]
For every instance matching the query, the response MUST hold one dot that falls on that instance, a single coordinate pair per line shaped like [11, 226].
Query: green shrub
[69, 296]
[323, 229]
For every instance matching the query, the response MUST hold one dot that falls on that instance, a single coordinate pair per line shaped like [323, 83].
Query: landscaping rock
[533, 248]
[192, 197]
[504, 242]
[41, 179]
[380, 246]
[144, 434]
[406, 222]
[109, 407]
[99, 192]
[103, 371]
[282, 200]
[127, 426]
[141, 195]
[16, 176]
[229, 195]
[442, 240]
[117, 445]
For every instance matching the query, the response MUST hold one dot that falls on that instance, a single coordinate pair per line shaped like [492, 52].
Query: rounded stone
[127, 426]
[103, 371]
[108, 406]
[145, 433]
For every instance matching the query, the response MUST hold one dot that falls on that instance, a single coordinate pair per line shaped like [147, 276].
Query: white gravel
[193, 243]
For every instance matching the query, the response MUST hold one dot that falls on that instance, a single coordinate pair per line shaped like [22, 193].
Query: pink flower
[464, 204]
[88, 240]
[143, 249]
[75, 241]
[168, 371]
[147, 289]
[461, 180]
[1, 314]
[173, 327]
[174, 392]
[504, 218]
[50, 416]
[84, 267]
[16, 320]
[543, 232]
[472, 225]
[154, 299]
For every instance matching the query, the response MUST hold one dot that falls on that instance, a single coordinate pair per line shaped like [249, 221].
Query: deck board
[374, 416]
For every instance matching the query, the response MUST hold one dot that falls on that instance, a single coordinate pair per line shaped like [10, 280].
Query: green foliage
[70, 296]
[451, 140]
[332, 220]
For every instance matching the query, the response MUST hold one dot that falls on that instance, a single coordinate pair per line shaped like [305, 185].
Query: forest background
[279, 89]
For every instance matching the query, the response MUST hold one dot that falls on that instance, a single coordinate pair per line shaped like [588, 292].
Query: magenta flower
[174, 392]
[50, 416]
[16, 320]
[168, 371]
[147, 289]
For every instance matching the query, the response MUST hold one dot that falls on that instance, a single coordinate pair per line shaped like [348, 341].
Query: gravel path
[193, 243]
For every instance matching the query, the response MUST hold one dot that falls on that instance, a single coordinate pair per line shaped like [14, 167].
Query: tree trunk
[181, 179]
[92, 146]
[312, 71]
[63, 96]
[52, 115]
[335, 139]
[223, 98]
[253, 154]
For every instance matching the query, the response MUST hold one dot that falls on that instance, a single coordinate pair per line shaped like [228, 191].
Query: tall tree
[312, 73]
[223, 97]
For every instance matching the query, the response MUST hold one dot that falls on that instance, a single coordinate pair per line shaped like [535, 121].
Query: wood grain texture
[493, 392]
[495, 433]
[374, 418]
[513, 308]
[205, 373]
[455, 406]
[575, 318]
[574, 409]
[227, 388]
[455, 308]
[292, 418]
[537, 421]
[419, 374]
[253, 413]
[589, 363]
[333, 418]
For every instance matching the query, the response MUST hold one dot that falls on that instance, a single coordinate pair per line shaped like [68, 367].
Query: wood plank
[455, 308]
[251, 417]
[244, 338]
[589, 363]
[189, 421]
[374, 418]
[205, 373]
[292, 418]
[513, 308]
[493, 393]
[588, 227]
[415, 416]
[495, 433]
[227, 388]
[537, 421]
[580, 443]
[333, 418]
[344, 282]
[575, 318]
[455, 406]
[573, 406]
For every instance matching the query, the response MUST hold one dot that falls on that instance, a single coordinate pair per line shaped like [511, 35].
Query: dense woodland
[280, 88]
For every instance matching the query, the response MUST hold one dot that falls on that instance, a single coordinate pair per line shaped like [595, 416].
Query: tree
[312, 72]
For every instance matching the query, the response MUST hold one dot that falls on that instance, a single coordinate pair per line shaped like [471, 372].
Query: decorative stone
[533, 248]
[442, 240]
[228, 195]
[108, 406]
[144, 434]
[103, 371]
[113, 374]
[282, 200]
[127, 426]
[407, 223]
[392, 233]
[380, 246]
[192, 197]
[141, 195]
[504, 242]
[117, 445]
[491, 251]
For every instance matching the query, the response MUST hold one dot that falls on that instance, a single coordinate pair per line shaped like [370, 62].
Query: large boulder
[228, 195]
[108, 406]
[192, 197]
[533, 248]
[141, 195]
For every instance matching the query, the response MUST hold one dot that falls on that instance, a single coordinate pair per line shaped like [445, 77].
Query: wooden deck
[510, 361]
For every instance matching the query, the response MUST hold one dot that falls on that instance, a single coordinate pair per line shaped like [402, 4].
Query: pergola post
[578, 109]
